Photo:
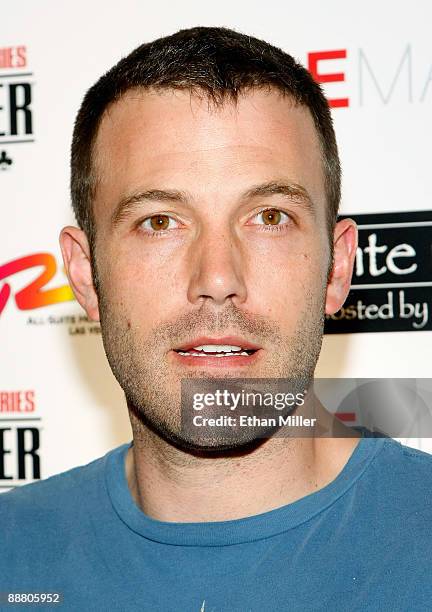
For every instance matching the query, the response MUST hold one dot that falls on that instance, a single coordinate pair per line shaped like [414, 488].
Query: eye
[159, 223]
[271, 216]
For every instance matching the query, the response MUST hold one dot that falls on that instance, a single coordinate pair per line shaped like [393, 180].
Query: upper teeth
[217, 348]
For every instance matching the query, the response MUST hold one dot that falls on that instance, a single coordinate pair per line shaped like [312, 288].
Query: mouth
[226, 351]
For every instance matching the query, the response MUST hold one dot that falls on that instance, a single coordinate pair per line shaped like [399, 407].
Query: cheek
[142, 282]
[286, 276]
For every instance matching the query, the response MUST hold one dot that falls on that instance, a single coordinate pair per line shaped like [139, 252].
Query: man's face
[211, 233]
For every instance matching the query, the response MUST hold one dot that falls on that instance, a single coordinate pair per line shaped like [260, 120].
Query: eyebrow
[128, 204]
[293, 191]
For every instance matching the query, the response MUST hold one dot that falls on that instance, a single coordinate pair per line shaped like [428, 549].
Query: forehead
[175, 139]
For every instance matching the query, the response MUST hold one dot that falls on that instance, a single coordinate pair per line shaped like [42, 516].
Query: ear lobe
[76, 257]
[345, 245]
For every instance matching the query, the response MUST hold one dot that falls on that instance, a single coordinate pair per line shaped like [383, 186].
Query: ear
[76, 257]
[345, 245]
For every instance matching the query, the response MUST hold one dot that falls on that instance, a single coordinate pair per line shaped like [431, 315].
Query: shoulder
[398, 483]
[47, 524]
[405, 460]
[411, 467]
[56, 496]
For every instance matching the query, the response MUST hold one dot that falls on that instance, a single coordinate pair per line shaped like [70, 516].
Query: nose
[217, 269]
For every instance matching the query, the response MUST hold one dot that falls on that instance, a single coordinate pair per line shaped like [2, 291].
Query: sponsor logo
[402, 79]
[13, 57]
[20, 433]
[35, 294]
[16, 97]
[391, 285]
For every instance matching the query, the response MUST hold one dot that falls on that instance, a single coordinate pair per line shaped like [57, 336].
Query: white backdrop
[384, 133]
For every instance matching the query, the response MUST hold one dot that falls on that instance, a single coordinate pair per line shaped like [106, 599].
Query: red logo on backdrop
[401, 78]
[315, 60]
[13, 57]
[17, 401]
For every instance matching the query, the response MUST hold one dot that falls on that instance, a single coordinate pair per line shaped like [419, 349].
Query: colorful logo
[33, 295]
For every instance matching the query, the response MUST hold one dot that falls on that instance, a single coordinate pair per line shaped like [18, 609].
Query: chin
[221, 445]
[194, 443]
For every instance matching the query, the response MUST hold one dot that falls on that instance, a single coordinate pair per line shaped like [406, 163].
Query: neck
[173, 485]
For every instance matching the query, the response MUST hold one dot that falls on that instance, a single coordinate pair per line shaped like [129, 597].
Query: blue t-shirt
[363, 542]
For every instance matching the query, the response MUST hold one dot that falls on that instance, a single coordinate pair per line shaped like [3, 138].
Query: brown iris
[271, 216]
[159, 222]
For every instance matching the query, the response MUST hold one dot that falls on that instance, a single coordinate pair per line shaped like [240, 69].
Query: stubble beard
[152, 389]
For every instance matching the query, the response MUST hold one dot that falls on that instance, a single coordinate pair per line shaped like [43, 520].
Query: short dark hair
[217, 62]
